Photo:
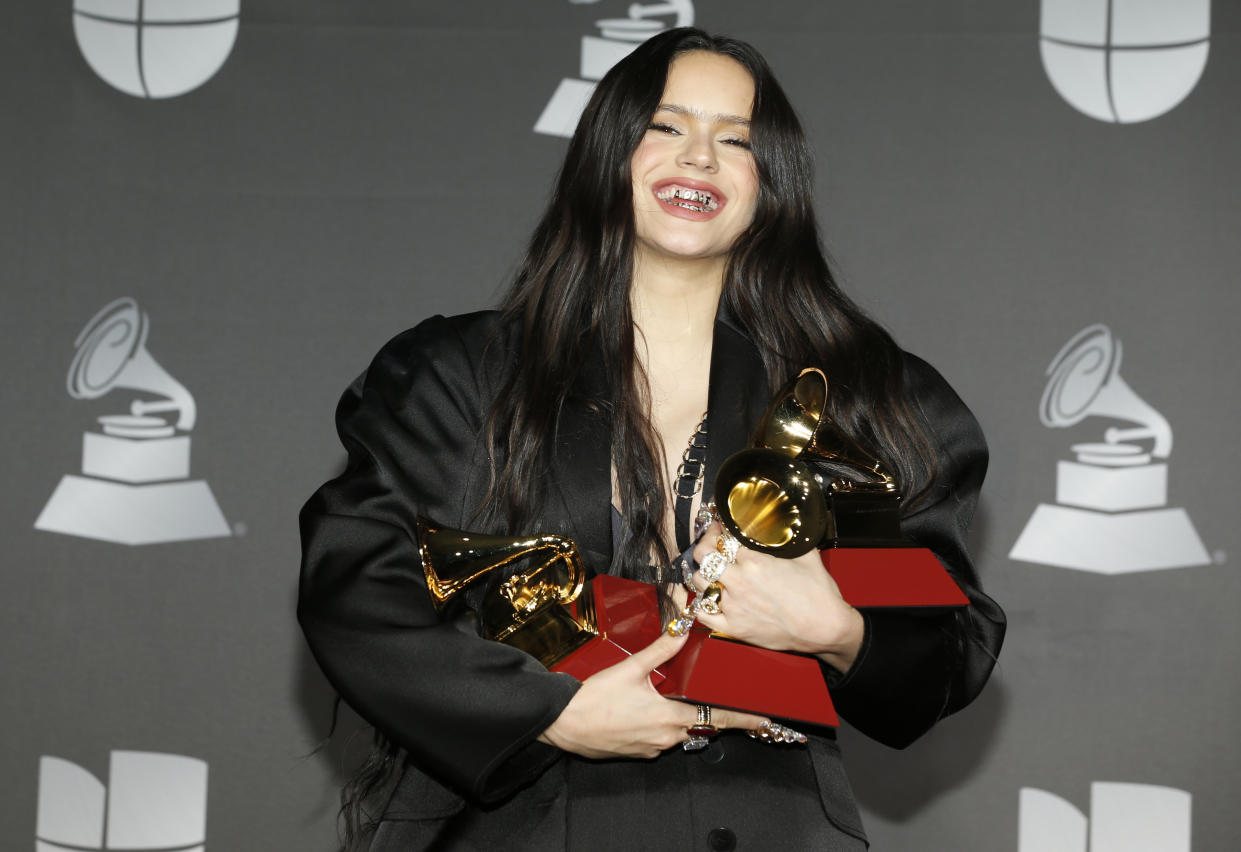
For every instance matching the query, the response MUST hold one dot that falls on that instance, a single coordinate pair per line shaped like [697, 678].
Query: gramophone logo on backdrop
[135, 486]
[156, 48]
[1111, 513]
[1123, 818]
[1124, 61]
[617, 38]
[152, 802]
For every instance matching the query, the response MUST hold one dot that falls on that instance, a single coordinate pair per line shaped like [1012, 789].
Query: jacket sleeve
[917, 666]
[467, 710]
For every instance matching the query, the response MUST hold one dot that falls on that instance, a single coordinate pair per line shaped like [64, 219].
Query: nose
[699, 152]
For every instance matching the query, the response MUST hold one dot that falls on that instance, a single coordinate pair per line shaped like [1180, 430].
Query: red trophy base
[627, 618]
[722, 672]
[877, 577]
[712, 669]
[726, 673]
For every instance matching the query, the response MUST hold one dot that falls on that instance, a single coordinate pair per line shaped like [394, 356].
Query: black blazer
[468, 711]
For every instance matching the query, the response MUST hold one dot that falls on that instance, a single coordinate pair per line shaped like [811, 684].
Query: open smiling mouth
[690, 199]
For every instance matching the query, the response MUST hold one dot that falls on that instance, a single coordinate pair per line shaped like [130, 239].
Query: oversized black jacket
[468, 711]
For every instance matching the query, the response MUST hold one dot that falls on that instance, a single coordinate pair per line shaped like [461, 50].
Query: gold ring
[710, 603]
[701, 731]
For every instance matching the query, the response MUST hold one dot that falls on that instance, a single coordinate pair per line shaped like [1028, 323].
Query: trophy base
[133, 514]
[549, 635]
[1066, 537]
[725, 673]
[892, 577]
[626, 619]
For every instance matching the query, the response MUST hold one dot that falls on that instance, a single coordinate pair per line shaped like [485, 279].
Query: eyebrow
[718, 118]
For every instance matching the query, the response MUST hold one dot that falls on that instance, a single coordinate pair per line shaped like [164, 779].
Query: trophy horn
[772, 497]
[1084, 380]
[454, 559]
[795, 426]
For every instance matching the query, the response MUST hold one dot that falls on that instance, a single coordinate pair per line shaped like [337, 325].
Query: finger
[713, 622]
[707, 543]
[660, 651]
[736, 719]
[679, 595]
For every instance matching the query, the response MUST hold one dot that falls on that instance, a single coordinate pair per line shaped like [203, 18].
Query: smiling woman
[694, 179]
[674, 281]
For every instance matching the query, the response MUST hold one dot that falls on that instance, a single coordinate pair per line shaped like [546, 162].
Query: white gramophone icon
[619, 37]
[135, 486]
[1111, 513]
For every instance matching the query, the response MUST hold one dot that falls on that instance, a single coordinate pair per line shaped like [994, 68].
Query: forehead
[709, 84]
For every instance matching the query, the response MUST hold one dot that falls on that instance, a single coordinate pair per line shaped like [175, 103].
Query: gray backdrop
[354, 167]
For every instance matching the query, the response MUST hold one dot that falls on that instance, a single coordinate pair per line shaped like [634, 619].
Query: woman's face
[694, 180]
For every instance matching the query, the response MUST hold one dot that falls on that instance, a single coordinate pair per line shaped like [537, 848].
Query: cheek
[752, 195]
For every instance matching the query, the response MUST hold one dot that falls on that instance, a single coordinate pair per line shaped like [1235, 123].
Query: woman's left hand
[782, 604]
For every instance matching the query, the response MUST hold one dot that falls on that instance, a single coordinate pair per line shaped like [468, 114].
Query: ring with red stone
[701, 731]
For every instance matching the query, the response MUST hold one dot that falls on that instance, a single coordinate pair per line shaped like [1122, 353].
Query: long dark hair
[570, 300]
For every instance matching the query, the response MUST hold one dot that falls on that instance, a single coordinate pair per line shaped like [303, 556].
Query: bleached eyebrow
[718, 118]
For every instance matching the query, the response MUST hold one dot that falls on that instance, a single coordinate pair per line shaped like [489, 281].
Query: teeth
[690, 199]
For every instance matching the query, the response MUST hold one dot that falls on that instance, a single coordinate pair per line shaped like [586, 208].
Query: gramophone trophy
[547, 609]
[806, 484]
[135, 486]
[617, 38]
[1111, 514]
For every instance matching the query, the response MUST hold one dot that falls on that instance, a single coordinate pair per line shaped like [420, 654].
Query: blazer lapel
[737, 399]
[582, 468]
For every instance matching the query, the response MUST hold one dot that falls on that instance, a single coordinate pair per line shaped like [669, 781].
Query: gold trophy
[806, 484]
[548, 609]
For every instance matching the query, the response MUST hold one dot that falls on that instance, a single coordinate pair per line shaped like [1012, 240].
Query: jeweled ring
[706, 514]
[710, 603]
[773, 732]
[713, 565]
[701, 731]
[727, 545]
[687, 576]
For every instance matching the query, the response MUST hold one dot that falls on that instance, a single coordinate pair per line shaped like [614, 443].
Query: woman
[677, 271]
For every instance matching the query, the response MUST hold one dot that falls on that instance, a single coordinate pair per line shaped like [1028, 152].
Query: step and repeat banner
[214, 211]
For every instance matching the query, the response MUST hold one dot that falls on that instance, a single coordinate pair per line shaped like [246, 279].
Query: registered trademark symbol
[1219, 557]
[239, 528]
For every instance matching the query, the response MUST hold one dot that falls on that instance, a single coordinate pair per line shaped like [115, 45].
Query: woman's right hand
[617, 713]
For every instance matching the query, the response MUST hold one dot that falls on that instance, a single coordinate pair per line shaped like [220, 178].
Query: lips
[689, 199]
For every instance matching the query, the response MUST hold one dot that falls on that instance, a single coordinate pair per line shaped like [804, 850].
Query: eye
[740, 143]
[662, 128]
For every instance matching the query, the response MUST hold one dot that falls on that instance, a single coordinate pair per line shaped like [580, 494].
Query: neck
[676, 301]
